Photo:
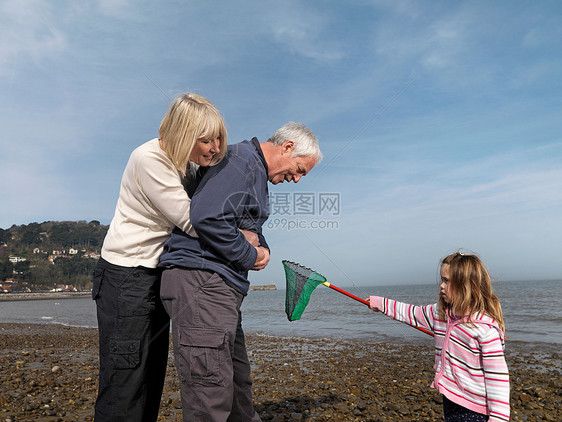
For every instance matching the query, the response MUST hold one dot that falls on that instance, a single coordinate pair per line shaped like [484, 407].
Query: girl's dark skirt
[456, 413]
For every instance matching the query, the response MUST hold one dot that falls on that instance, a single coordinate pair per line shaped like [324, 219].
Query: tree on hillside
[75, 270]
[44, 273]
[51, 236]
[6, 269]
[30, 234]
[61, 233]
[21, 270]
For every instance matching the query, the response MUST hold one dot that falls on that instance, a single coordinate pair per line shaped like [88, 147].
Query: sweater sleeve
[416, 316]
[496, 376]
[161, 184]
[217, 206]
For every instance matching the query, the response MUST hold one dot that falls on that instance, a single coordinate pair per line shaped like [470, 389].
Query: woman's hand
[251, 237]
[262, 260]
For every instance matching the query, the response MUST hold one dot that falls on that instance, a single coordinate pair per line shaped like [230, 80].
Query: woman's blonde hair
[470, 288]
[191, 117]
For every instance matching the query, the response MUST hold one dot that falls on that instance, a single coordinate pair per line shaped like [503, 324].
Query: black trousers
[133, 342]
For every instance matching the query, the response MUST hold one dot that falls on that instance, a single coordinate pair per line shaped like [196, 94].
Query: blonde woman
[133, 325]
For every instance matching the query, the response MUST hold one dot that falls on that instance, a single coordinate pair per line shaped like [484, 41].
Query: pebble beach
[48, 372]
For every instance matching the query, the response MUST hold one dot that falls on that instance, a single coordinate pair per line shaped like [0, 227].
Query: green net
[301, 282]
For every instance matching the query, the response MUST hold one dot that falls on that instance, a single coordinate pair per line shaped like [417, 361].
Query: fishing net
[301, 282]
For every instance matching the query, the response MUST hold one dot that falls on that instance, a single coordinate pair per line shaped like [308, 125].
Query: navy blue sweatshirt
[231, 195]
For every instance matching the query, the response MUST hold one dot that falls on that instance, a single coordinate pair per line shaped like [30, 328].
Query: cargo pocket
[125, 354]
[96, 282]
[202, 351]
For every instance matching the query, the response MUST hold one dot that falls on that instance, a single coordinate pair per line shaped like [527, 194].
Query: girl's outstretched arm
[416, 316]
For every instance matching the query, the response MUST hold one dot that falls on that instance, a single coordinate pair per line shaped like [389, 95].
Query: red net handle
[363, 301]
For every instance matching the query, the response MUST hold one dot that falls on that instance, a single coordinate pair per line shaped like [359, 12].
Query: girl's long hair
[470, 289]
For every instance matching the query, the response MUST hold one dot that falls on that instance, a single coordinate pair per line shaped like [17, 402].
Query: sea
[532, 312]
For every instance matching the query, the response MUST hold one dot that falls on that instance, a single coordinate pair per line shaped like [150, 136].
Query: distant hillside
[41, 256]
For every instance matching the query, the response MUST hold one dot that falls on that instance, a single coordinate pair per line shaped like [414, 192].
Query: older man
[206, 278]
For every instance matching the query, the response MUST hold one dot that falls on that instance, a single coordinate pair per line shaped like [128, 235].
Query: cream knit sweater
[152, 200]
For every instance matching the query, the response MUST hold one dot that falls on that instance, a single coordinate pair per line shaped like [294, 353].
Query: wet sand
[49, 373]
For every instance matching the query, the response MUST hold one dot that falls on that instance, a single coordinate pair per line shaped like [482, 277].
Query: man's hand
[262, 260]
[251, 237]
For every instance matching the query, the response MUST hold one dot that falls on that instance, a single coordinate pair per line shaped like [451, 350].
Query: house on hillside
[11, 285]
[57, 254]
[7, 286]
[92, 255]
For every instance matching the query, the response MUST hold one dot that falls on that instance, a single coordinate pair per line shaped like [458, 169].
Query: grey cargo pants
[209, 347]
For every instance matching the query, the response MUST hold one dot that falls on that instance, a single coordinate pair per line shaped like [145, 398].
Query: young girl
[470, 367]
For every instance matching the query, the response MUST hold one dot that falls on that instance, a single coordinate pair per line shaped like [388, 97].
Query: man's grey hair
[306, 144]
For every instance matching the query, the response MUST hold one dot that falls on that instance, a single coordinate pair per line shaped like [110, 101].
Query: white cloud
[400, 231]
[303, 32]
[122, 9]
[28, 33]
[470, 146]
[446, 42]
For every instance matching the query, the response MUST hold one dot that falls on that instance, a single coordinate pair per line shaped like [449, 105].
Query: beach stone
[324, 379]
[361, 406]
[393, 406]
[340, 407]
[525, 399]
[404, 411]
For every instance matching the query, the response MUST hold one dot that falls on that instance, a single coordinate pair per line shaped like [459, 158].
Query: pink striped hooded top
[470, 367]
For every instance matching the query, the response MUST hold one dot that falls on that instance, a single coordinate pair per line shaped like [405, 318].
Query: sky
[440, 122]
